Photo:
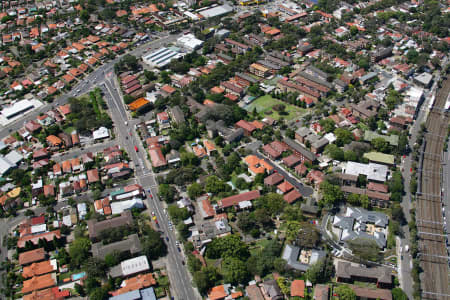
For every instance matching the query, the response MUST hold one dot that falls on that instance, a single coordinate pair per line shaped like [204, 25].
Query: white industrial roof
[14, 157]
[191, 15]
[17, 107]
[189, 41]
[424, 78]
[373, 171]
[5, 165]
[119, 207]
[134, 265]
[161, 57]
[101, 133]
[216, 11]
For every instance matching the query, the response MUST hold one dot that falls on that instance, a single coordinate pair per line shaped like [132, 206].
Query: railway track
[432, 242]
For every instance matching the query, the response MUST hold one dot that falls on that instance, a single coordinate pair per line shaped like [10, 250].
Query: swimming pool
[78, 276]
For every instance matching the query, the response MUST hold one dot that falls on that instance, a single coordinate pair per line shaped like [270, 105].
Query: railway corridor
[429, 217]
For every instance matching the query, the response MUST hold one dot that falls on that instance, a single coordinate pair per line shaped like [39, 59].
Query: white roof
[424, 78]
[81, 207]
[67, 221]
[38, 228]
[134, 265]
[37, 185]
[216, 11]
[17, 107]
[245, 204]
[119, 207]
[189, 41]
[191, 15]
[5, 165]
[373, 171]
[101, 133]
[330, 137]
[161, 57]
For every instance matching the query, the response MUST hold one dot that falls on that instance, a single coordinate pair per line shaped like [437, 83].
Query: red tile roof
[38, 220]
[285, 187]
[207, 208]
[270, 151]
[298, 288]
[49, 190]
[157, 157]
[291, 160]
[273, 179]
[135, 283]
[292, 196]
[92, 176]
[39, 268]
[217, 293]
[246, 126]
[48, 294]
[168, 89]
[32, 256]
[378, 187]
[39, 283]
[234, 200]
[48, 236]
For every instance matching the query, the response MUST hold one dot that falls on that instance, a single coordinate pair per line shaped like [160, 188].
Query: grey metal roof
[131, 244]
[246, 77]
[303, 131]
[320, 143]
[177, 114]
[291, 253]
[300, 149]
[315, 79]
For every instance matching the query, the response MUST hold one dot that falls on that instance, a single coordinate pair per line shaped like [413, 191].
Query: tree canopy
[228, 246]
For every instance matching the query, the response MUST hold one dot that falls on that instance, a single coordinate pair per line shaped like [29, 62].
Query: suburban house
[95, 227]
[381, 276]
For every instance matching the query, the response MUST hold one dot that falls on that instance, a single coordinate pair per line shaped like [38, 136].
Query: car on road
[167, 238]
[177, 243]
[136, 149]
[153, 213]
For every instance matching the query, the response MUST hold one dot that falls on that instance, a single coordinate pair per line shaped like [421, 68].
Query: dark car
[167, 238]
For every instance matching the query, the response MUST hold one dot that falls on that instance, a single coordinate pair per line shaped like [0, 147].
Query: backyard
[264, 106]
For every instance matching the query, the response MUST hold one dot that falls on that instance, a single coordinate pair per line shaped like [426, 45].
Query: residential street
[404, 269]
[178, 274]
[104, 77]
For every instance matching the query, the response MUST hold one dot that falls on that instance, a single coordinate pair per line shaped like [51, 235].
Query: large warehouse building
[161, 57]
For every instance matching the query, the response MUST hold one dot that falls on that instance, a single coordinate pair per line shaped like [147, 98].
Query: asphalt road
[126, 136]
[91, 80]
[405, 261]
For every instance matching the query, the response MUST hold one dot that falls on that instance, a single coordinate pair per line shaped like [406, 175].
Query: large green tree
[234, 270]
[228, 246]
[206, 278]
[167, 192]
[79, 251]
[344, 292]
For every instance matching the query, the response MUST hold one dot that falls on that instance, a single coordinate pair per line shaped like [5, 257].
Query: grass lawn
[259, 245]
[265, 103]
[69, 130]
[211, 262]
